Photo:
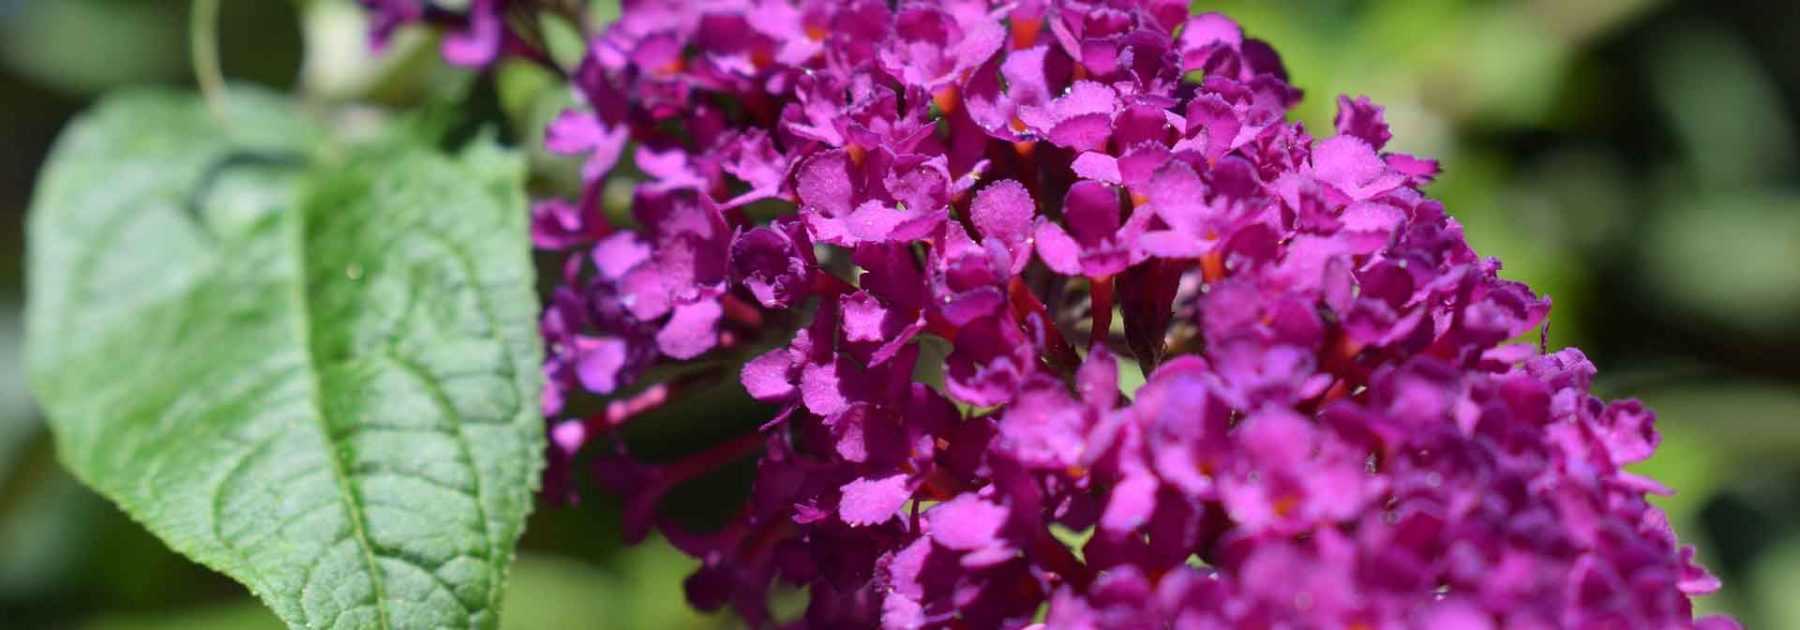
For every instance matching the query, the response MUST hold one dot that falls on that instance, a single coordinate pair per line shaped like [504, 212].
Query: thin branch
[203, 42]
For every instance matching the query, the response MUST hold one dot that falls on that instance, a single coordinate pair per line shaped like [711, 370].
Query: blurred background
[1637, 160]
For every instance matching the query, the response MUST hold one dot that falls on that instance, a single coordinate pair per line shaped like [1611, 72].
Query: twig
[203, 42]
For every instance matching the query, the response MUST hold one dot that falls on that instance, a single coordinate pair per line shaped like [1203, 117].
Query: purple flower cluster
[1334, 430]
[474, 36]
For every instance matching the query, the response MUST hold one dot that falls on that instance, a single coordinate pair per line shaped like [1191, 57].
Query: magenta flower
[1335, 430]
[387, 16]
[474, 35]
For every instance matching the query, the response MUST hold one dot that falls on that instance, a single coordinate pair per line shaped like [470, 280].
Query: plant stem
[203, 43]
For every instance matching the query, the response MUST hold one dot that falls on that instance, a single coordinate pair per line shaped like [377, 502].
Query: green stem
[203, 42]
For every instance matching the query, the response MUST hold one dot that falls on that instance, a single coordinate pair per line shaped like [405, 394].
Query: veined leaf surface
[313, 368]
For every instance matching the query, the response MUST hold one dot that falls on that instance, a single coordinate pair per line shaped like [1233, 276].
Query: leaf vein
[346, 490]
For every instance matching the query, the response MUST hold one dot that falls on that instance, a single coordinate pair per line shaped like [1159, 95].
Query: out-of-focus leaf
[1505, 66]
[1732, 257]
[551, 592]
[340, 64]
[1748, 420]
[1773, 582]
[244, 615]
[652, 577]
[531, 97]
[640, 588]
[84, 46]
[337, 61]
[605, 11]
[1714, 435]
[544, 592]
[315, 370]
[1725, 110]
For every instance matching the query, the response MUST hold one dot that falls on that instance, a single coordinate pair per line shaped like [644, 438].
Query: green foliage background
[1637, 160]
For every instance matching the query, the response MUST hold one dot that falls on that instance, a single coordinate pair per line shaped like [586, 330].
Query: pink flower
[1333, 431]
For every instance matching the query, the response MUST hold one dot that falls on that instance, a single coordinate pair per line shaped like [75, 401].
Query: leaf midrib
[339, 471]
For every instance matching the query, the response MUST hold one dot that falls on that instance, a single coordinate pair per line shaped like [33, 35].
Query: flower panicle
[1334, 429]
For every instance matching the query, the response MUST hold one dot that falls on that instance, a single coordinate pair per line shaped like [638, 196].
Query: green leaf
[314, 369]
